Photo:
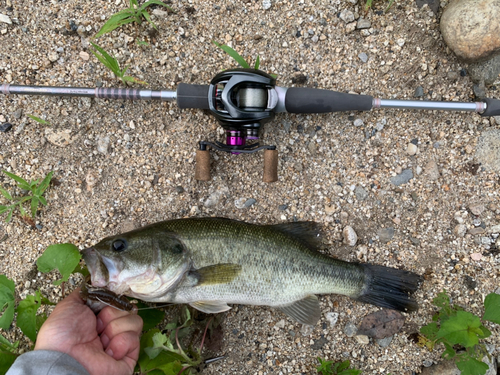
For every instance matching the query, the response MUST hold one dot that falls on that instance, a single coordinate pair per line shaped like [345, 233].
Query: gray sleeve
[45, 362]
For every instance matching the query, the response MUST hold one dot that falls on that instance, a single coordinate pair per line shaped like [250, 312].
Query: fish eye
[119, 245]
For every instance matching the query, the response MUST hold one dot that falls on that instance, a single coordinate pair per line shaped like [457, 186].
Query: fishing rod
[243, 100]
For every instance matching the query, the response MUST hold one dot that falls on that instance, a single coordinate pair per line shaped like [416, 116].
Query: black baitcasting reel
[243, 100]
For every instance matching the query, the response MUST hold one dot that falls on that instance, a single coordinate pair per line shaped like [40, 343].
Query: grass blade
[22, 183]
[235, 55]
[114, 22]
[257, 62]
[44, 184]
[39, 120]
[6, 194]
[148, 18]
[106, 59]
[34, 206]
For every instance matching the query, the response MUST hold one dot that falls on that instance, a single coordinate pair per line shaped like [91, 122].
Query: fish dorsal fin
[308, 232]
[305, 311]
[210, 307]
[222, 273]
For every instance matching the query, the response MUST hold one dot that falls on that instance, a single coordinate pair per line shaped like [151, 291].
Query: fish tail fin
[390, 288]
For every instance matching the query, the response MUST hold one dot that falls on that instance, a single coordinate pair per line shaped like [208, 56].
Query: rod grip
[202, 168]
[192, 96]
[492, 107]
[270, 166]
[307, 100]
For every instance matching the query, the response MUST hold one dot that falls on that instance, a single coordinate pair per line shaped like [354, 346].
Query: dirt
[144, 173]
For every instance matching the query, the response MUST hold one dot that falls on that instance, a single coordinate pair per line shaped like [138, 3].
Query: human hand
[104, 344]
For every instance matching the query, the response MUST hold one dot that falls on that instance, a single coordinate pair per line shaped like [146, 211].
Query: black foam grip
[306, 100]
[493, 107]
[192, 96]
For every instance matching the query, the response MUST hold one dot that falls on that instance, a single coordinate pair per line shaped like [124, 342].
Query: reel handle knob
[270, 166]
[202, 168]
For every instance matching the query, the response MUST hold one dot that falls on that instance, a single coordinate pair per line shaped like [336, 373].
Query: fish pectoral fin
[210, 307]
[222, 273]
[305, 311]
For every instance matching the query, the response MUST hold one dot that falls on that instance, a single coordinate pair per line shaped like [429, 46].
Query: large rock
[488, 150]
[471, 28]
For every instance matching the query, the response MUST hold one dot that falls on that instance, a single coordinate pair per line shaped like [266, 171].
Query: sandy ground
[330, 170]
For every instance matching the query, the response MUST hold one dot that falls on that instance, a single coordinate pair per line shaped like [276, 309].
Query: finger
[131, 323]
[107, 315]
[125, 344]
[73, 297]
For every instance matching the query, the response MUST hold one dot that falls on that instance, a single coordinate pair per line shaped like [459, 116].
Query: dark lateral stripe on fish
[390, 288]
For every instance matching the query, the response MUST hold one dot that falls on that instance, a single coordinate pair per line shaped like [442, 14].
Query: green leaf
[7, 345]
[156, 2]
[34, 206]
[40, 319]
[43, 200]
[159, 339]
[6, 194]
[64, 257]
[150, 317]
[472, 367]
[6, 360]
[4, 209]
[22, 210]
[115, 21]
[492, 308]
[442, 300]
[146, 364]
[107, 60]
[257, 62]
[44, 184]
[235, 55]
[449, 352]
[7, 301]
[22, 183]
[430, 331]
[9, 216]
[463, 329]
[39, 120]
[26, 315]
[148, 18]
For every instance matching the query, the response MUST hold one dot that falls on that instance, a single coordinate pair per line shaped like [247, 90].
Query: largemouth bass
[209, 263]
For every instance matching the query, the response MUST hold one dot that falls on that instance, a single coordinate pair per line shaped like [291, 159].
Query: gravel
[135, 180]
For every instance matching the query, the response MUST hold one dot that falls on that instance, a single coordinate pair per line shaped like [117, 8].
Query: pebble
[350, 329]
[214, 198]
[84, 56]
[347, 16]
[431, 170]
[363, 339]
[280, 324]
[402, 178]
[282, 207]
[476, 209]
[250, 202]
[494, 229]
[361, 193]
[470, 28]
[385, 342]
[419, 92]
[385, 234]
[476, 231]
[53, 56]
[488, 150]
[476, 256]
[486, 71]
[103, 145]
[460, 230]
[5, 19]
[266, 4]
[332, 318]
[363, 57]
[363, 24]
[306, 329]
[4, 128]
[350, 236]
[358, 122]
[240, 203]
[18, 113]
[411, 149]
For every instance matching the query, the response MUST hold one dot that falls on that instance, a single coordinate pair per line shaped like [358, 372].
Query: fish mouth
[99, 274]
